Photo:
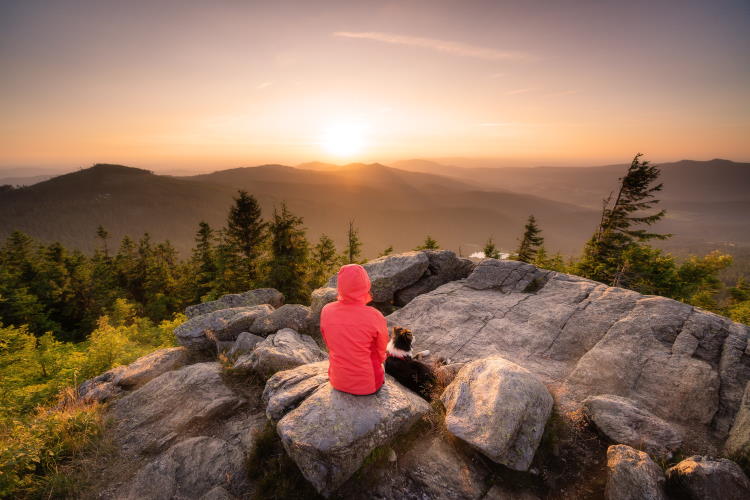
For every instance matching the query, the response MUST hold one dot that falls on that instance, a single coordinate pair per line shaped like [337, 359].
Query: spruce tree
[204, 261]
[428, 244]
[103, 235]
[620, 226]
[530, 242]
[490, 250]
[323, 262]
[353, 250]
[288, 261]
[387, 251]
[245, 235]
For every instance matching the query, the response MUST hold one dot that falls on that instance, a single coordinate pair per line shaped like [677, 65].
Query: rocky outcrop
[632, 475]
[256, 297]
[331, 433]
[151, 366]
[392, 273]
[677, 362]
[285, 390]
[152, 418]
[699, 477]
[622, 422]
[245, 343]
[101, 388]
[283, 350]
[294, 316]
[198, 467]
[319, 298]
[738, 442]
[443, 266]
[498, 408]
[201, 332]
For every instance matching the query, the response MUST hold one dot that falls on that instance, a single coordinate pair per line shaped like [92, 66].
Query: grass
[275, 475]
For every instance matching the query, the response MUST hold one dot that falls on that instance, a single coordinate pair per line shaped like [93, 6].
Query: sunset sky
[217, 84]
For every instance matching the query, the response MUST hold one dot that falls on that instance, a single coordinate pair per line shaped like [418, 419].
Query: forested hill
[390, 206]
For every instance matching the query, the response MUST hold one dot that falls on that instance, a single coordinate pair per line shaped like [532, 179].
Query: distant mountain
[23, 181]
[390, 206]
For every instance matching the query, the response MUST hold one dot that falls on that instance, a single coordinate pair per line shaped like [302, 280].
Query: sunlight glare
[343, 139]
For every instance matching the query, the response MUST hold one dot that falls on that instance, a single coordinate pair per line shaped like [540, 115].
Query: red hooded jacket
[356, 335]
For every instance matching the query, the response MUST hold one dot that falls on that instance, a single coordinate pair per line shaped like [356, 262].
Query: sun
[343, 139]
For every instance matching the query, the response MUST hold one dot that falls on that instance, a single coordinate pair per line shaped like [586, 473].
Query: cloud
[264, 85]
[518, 91]
[447, 46]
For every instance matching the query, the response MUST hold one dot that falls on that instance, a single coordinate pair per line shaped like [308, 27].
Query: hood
[353, 284]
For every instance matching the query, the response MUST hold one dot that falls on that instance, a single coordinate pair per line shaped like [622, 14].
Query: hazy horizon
[170, 85]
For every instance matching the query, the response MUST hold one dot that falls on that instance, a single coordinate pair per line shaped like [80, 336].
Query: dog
[406, 367]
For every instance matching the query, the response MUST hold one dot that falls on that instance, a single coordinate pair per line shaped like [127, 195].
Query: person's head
[353, 284]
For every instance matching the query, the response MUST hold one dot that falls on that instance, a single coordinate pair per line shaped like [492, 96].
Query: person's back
[356, 335]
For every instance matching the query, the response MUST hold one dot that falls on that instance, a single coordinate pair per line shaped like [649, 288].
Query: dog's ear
[397, 330]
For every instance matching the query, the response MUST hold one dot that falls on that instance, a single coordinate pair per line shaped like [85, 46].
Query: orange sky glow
[206, 85]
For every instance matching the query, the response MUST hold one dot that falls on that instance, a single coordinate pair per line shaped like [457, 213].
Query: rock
[447, 373]
[331, 433]
[257, 297]
[498, 408]
[198, 467]
[285, 390]
[283, 350]
[443, 267]
[200, 332]
[440, 472]
[632, 475]
[217, 493]
[294, 316]
[738, 442]
[224, 346]
[319, 298]
[245, 343]
[684, 365]
[101, 388]
[151, 366]
[698, 478]
[151, 418]
[505, 275]
[498, 492]
[622, 422]
[392, 273]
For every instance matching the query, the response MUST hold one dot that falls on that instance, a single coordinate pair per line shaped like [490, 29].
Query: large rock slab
[318, 299]
[632, 475]
[444, 266]
[283, 350]
[331, 433]
[392, 273]
[622, 422]
[738, 442]
[255, 297]
[285, 390]
[101, 388]
[699, 477]
[294, 316]
[684, 365]
[153, 417]
[192, 468]
[500, 409]
[245, 343]
[200, 333]
[151, 366]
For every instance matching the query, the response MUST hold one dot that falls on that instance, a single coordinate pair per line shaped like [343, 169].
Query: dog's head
[402, 339]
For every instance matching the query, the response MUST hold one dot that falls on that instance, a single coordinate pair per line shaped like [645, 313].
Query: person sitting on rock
[356, 335]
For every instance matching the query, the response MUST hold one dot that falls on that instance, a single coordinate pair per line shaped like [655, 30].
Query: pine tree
[428, 244]
[603, 257]
[530, 242]
[323, 262]
[387, 251]
[353, 250]
[490, 250]
[103, 235]
[245, 235]
[289, 251]
[204, 261]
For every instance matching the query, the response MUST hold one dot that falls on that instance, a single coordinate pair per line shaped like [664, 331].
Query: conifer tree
[353, 250]
[245, 236]
[103, 235]
[620, 227]
[490, 250]
[323, 262]
[530, 242]
[387, 251]
[428, 244]
[288, 261]
[204, 261]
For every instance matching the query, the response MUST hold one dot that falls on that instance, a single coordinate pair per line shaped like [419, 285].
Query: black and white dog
[406, 368]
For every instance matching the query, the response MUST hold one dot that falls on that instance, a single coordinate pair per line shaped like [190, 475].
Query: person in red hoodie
[356, 335]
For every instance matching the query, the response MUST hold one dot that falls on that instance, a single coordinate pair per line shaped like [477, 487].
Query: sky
[217, 84]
